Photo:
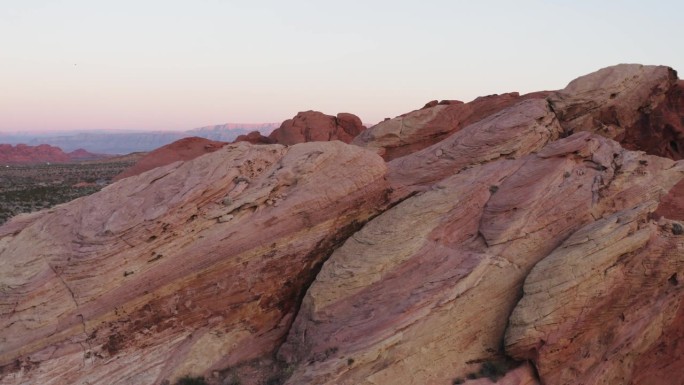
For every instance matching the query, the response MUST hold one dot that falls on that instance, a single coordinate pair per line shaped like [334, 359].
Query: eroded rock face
[185, 269]
[639, 106]
[181, 150]
[672, 205]
[421, 295]
[604, 307]
[660, 131]
[310, 126]
[422, 128]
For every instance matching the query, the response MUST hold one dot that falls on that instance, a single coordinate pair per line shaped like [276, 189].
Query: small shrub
[458, 381]
[188, 380]
[493, 370]
[276, 379]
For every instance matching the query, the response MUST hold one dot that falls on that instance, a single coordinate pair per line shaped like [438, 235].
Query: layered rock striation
[434, 122]
[185, 269]
[515, 240]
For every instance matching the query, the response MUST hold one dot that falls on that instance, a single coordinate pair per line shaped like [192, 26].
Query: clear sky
[180, 64]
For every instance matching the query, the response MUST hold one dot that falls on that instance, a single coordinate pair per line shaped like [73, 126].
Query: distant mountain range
[125, 142]
[44, 153]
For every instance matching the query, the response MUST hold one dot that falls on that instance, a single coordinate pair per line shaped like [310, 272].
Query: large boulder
[310, 126]
[254, 137]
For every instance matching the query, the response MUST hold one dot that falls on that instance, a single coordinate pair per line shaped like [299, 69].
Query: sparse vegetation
[233, 379]
[188, 380]
[25, 189]
[493, 370]
[263, 371]
[277, 379]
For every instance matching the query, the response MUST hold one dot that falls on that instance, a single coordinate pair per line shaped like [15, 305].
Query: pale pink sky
[172, 65]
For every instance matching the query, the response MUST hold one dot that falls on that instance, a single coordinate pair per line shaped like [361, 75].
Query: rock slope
[422, 293]
[185, 269]
[517, 240]
[180, 150]
[416, 130]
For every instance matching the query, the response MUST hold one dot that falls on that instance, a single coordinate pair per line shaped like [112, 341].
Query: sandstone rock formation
[186, 269]
[604, 307]
[639, 106]
[44, 153]
[180, 150]
[516, 240]
[512, 132]
[672, 205]
[416, 130]
[310, 126]
[422, 293]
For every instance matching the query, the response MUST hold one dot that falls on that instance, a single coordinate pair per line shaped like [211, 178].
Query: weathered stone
[311, 126]
[140, 282]
[639, 106]
[511, 133]
[422, 293]
[603, 303]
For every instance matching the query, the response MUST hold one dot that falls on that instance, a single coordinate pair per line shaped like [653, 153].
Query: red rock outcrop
[181, 150]
[422, 128]
[185, 269]
[639, 106]
[81, 155]
[312, 126]
[44, 153]
[254, 137]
